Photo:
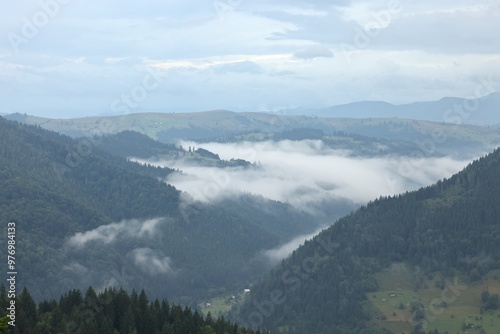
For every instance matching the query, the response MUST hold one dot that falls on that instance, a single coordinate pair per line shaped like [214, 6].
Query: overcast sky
[68, 58]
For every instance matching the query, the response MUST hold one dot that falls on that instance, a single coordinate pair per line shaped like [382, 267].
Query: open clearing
[452, 305]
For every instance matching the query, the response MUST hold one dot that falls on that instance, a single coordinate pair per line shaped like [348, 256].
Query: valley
[250, 167]
[199, 221]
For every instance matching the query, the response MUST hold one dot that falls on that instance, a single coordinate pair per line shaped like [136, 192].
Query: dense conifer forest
[55, 188]
[452, 227]
[111, 311]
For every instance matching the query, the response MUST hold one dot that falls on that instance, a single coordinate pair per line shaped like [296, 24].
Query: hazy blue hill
[491, 103]
[452, 110]
[452, 227]
[363, 109]
[408, 131]
[479, 111]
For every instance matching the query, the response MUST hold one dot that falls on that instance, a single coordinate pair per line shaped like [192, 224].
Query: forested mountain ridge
[451, 227]
[132, 144]
[452, 138]
[85, 217]
[45, 176]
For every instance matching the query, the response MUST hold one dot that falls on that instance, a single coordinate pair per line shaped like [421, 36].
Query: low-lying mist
[275, 255]
[305, 172]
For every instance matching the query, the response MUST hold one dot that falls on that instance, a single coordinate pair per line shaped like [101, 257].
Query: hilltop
[419, 136]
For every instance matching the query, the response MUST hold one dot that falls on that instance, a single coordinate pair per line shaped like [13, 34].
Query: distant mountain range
[480, 111]
[423, 136]
[484, 110]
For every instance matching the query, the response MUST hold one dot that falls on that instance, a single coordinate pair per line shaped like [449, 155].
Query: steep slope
[86, 217]
[451, 227]
[133, 144]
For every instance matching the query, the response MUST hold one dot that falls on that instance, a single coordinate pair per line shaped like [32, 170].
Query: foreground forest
[110, 312]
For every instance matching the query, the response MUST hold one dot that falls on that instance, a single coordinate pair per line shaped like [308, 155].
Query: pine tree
[4, 302]
[4, 324]
[26, 312]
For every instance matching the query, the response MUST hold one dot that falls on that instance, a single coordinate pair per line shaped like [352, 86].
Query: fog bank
[302, 172]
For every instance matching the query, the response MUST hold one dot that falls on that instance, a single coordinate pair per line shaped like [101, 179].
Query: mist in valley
[304, 173]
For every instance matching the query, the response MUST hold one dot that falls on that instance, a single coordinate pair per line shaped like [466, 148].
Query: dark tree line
[112, 311]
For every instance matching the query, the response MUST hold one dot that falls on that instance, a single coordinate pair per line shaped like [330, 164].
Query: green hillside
[449, 304]
[85, 217]
[450, 229]
[132, 144]
[423, 137]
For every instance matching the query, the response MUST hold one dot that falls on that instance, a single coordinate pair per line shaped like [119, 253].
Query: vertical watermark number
[11, 272]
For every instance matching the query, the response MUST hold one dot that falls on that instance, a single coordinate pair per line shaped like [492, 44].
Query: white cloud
[110, 233]
[305, 12]
[151, 262]
[306, 172]
[77, 268]
[217, 62]
[277, 254]
[312, 52]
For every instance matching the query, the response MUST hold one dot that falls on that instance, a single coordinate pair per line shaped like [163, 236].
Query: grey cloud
[316, 4]
[152, 262]
[284, 73]
[238, 67]
[32, 60]
[316, 51]
[277, 254]
[151, 9]
[76, 268]
[110, 282]
[438, 27]
[107, 234]
[444, 32]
